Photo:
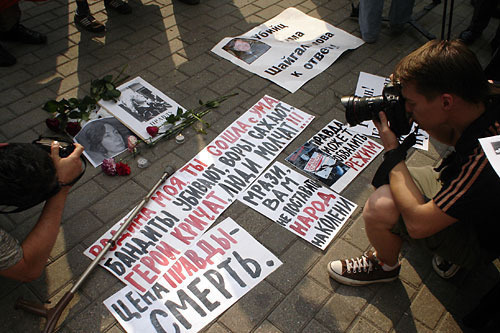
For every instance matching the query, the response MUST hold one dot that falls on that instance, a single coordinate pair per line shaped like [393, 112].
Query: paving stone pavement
[168, 44]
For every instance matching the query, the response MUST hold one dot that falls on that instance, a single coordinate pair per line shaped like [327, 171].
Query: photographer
[28, 176]
[450, 210]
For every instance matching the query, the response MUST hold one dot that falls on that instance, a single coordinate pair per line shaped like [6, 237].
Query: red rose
[152, 130]
[73, 128]
[53, 124]
[122, 169]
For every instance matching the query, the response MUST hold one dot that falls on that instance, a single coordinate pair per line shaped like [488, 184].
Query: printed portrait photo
[103, 138]
[246, 49]
[141, 103]
[496, 147]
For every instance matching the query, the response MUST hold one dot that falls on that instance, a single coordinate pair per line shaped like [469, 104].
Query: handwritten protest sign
[299, 204]
[210, 284]
[190, 201]
[289, 49]
[370, 85]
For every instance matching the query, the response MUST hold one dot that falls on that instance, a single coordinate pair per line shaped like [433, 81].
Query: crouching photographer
[449, 210]
[30, 175]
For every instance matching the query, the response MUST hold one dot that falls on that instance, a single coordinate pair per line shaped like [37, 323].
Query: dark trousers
[483, 9]
[10, 17]
[492, 71]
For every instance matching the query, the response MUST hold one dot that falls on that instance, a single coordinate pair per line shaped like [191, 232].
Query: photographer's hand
[40, 241]
[389, 139]
[67, 168]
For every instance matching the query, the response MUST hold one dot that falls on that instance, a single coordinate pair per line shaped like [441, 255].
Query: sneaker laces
[357, 264]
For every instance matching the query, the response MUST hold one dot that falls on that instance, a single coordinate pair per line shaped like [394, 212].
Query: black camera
[359, 109]
[65, 148]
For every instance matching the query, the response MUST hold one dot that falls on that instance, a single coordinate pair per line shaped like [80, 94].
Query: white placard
[289, 50]
[298, 204]
[225, 264]
[190, 200]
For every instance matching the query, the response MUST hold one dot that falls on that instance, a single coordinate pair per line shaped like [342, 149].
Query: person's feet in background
[468, 36]
[18, 33]
[483, 11]
[118, 6]
[6, 59]
[84, 18]
[370, 17]
[191, 2]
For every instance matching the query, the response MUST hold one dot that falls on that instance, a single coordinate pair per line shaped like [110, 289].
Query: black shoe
[19, 33]
[6, 59]
[191, 2]
[495, 44]
[468, 36]
[361, 271]
[118, 6]
[89, 23]
[354, 11]
[443, 267]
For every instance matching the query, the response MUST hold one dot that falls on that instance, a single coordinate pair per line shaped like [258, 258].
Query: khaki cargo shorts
[458, 243]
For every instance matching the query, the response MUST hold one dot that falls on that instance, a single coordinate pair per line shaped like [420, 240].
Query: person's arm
[39, 242]
[422, 219]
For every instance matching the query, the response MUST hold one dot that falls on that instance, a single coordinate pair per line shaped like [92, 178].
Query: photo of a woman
[103, 138]
[246, 49]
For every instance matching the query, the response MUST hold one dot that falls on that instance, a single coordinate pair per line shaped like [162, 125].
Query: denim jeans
[370, 16]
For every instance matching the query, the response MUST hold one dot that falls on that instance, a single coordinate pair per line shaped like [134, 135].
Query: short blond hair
[444, 67]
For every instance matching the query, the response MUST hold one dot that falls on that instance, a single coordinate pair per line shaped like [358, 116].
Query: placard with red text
[298, 204]
[190, 201]
[200, 286]
[353, 149]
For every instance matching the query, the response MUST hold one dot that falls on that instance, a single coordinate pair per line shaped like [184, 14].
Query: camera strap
[392, 158]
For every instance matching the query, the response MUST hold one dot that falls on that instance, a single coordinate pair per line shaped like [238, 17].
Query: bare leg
[380, 215]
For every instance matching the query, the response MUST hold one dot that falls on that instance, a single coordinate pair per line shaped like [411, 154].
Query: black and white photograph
[141, 103]
[139, 106]
[103, 138]
[246, 49]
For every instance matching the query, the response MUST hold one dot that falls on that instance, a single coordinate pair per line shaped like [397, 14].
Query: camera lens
[359, 109]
